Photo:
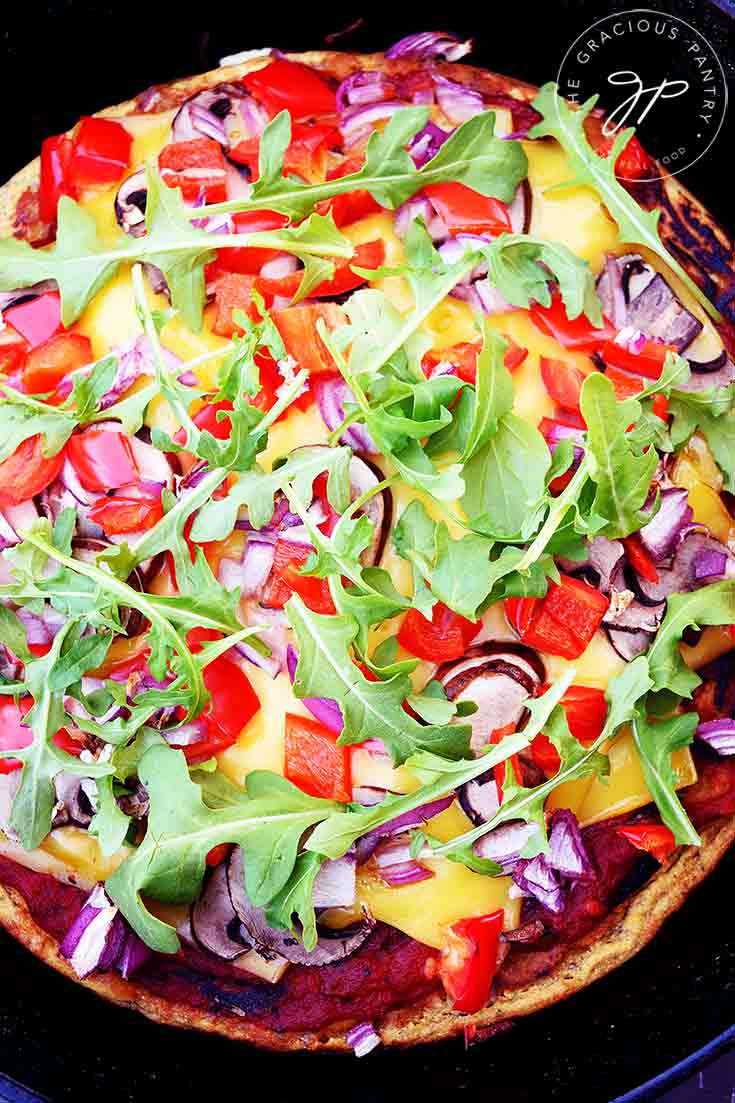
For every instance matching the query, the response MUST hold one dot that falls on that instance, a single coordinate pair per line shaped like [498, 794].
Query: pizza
[368, 552]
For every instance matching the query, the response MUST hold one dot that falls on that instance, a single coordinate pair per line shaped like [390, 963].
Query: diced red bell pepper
[47, 364]
[218, 854]
[37, 319]
[65, 741]
[13, 733]
[625, 385]
[563, 381]
[660, 406]
[371, 254]
[632, 164]
[285, 579]
[271, 382]
[352, 205]
[499, 771]
[296, 88]
[464, 211]
[125, 513]
[657, 839]
[648, 361]
[233, 291]
[195, 166]
[586, 712]
[27, 472]
[297, 327]
[55, 158]
[102, 459]
[247, 259]
[206, 418]
[514, 355]
[100, 152]
[578, 334]
[314, 762]
[306, 155]
[639, 558]
[562, 623]
[13, 351]
[463, 358]
[469, 960]
[446, 636]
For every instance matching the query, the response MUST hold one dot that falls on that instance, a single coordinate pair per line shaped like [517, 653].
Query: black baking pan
[627, 1037]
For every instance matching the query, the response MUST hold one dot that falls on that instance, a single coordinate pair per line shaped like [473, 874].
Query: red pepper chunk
[55, 158]
[36, 320]
[297, 327]
[563, 382]
[233, 291]
[632, 164]
[578, 333]
[654, 838]
[285, 579]
[639, 558]
[586, 712]
[14, 734]
[562, 623]
[247, 259]
[370, 254]
[27, 472]
[446, 636]
[126, 513]
[100, 153]
[648, 361]
[351, 206]
[102, 459]
[499, 771]
[296, 88]
[306, 155]
[464, 211]
[315, 762]
[47, 364]
[195, 166]
[469, 960]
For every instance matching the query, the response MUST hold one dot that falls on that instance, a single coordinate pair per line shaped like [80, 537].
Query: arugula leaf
[636, 225]
[81, 264]
[296, 898]
[493, 391]
[505, 481]
[520, 266]
[458, 572]
[109, 824]
[42, 760]
[472, 155]
[655, 744]
[711, 411]
[370, 710]
[257, 490]
[520, 803]
[618, 464]
[714, 604]
[267, 822]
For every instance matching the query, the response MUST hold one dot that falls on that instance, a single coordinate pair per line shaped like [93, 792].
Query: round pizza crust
[709, 256]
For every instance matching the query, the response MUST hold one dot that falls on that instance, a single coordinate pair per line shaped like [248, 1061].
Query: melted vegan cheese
[572, 215]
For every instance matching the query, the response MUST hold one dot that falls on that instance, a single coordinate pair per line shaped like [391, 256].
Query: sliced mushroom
[498, 687]
[629, 645]
[651, 305]
[75, 800]
[130, 204]
[519, 210]
[603, 557]
[25, 294]
[226, 113]
[215, 925]
[333, 945]
[479, 798]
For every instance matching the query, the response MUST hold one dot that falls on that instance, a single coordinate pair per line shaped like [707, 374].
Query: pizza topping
[649, 304]
[363, 1038]
[718, 734]
[430, 45]
[100, 939]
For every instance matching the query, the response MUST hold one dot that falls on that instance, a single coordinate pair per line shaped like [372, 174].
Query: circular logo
[654, 72]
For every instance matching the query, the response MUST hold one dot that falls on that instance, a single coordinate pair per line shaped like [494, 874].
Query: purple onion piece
[331, 395]
[536, 878]
[661, 536]
[323, 709]
[430, 45]
[406, 873]
[95, 939]
[363, 1038]
[365, 86]
[335, 885]
[506, 843]
[567, 852]
[133, 955]
[358, 122]
[718, 734]
[710, 564]
[458, 102]
[417, 816]
[426, 144]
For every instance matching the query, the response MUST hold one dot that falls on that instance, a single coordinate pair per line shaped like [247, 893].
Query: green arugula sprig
[472, 155]
[636, 225]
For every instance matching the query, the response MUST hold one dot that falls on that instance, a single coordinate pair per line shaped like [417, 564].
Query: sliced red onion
[202, 116]
[405, 873]
[133, 955]
[187, 379]
[426, 144]
[273, 624]
[357, 123]
[430, 45]
[331, 394]
[185, 735]
[363, 1038]
[251, 574]
[335, 885]
[248, 119]
[324, 709]
[567, 852]
[506, 843]
[458, 102]
[491, 301]
[520, 207]
[95, 938]
[710, 564]
[419, 207]
[19, 519]
[718, 734]
[661, 536]
[364, 86]
[536, 878]
[283, 265]
[366, 795]
[417, 816]
[134, 359]
[37, 633]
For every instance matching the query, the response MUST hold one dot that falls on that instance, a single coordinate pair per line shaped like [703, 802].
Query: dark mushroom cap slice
[629, 645]
[651, 305]
[215, 925]
[130, 204]
[333, 945]
[499, 688]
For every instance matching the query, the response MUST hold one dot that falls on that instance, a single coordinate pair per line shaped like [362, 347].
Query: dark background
[61, 60]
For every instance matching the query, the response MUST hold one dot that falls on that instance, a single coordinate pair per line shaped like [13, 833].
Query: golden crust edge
[621, 934]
